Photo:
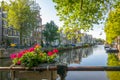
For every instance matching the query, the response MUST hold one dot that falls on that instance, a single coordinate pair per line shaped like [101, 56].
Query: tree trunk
[21, 36]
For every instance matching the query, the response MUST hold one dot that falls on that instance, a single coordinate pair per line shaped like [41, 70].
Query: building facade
[84, 39]
[10, 35]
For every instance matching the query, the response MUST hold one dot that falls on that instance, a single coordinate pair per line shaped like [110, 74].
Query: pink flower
[12, 56]
[50, 53]
[31, 49]
[20, 55]
[55, 50]
[19, 62]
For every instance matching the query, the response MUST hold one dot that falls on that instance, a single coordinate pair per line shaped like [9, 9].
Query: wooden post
[62, 70]
[51, 75]
[12, 75]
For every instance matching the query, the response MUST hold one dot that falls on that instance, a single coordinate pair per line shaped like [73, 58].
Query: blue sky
[48, 11]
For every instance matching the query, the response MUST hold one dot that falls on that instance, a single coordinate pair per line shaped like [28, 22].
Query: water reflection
[75, 55]
[5, 75]
[92, 56]
[113, 60]
[5, 61]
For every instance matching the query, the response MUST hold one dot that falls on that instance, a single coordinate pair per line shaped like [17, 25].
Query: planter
[33, 58]
[34, 75]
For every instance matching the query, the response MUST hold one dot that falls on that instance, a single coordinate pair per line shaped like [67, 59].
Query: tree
[113, 61]
[112, 25]
[82, 14]
[51, 32]
[21, 17]
[72, 33]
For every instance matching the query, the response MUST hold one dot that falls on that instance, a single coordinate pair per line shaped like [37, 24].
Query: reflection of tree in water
[87, 52]
[4, 75]
[113, 61]
[75, 55]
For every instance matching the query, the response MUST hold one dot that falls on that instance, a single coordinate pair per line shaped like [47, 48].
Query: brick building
[9, 35]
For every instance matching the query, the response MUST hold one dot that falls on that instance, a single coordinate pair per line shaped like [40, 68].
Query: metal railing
[53, 68]
[61, 69]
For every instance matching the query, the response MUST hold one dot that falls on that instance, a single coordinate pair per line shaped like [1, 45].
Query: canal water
[92, 56]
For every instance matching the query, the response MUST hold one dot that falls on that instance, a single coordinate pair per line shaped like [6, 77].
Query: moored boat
[112, 50]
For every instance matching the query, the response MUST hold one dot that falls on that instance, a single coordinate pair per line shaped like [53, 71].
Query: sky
[48, 13]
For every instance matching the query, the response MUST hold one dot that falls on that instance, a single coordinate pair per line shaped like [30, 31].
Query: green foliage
[82, 14]
[3, 5]
[113, 61]
[51, 32]
[112, 26]
[21, 17]
[15, 60]
[72, 33]
[30, 59]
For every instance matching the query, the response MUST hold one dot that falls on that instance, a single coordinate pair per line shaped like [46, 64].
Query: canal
[92, 56]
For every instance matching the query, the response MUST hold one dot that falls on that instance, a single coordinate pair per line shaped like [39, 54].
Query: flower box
[36, 75]
[33, 57]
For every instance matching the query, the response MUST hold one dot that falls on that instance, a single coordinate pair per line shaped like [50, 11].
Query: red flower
[50, 53]
[55, 50]
[25, 51]
[12, 56]
[31, 49]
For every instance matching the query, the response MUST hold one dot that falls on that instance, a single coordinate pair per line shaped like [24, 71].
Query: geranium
[50, 53]
[31, 49]
[13, 56]
[33, 56]
[19, 55]
[55, 50]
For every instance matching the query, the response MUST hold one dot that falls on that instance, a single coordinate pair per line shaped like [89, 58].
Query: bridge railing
[61, 69]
